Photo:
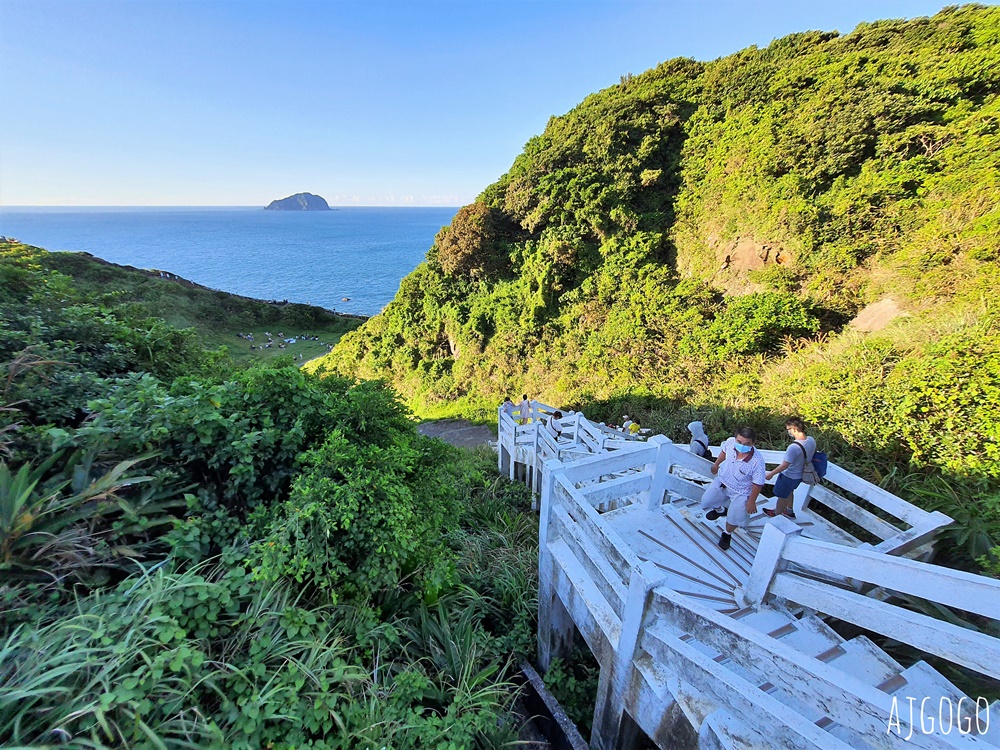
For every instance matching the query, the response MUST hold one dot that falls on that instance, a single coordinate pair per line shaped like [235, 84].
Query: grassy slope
[218, 317]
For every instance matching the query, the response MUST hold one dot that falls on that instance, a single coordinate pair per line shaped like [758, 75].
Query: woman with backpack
[797, 461]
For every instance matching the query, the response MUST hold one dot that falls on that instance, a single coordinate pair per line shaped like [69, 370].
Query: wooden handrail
[844, 698]
[977, 651]
[952, 588]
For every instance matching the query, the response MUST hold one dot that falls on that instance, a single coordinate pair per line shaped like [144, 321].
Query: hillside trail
[460, 432]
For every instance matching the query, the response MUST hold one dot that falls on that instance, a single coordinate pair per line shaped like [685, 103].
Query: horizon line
[221, 205]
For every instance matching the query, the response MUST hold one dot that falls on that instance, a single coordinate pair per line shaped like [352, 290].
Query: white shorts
[716, 496]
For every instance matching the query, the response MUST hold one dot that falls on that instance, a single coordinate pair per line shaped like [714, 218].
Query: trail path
[458, 432]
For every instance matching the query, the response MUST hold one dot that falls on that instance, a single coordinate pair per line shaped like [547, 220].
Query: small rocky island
[299, 202]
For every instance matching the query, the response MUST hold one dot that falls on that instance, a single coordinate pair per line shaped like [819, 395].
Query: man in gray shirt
[739, 471]
[790, 470]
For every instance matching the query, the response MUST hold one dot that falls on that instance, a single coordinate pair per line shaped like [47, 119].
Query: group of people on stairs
[739, 469]
[740, 475]
[554, 424]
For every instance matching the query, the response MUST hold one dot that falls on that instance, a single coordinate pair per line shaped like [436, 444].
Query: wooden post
[661, 468]
[534, 457]
[500, 431]
[801, 496]
[613, 684]
[555, 625]
[767, 561]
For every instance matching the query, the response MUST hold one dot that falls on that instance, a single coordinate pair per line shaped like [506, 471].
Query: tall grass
[119, 670]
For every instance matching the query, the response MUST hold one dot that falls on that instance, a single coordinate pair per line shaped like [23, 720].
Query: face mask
[740, 448]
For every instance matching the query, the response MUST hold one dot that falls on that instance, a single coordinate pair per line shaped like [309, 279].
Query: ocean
[316, 257]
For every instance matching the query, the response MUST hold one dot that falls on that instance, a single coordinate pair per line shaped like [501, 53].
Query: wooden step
[866, 661]
[767, 620]
[812, 636]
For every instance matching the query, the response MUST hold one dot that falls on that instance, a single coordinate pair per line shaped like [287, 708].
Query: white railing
[896, 526]
[900, 528]
[626, 613]
[822, 688]
[789, 566]
[629, 612]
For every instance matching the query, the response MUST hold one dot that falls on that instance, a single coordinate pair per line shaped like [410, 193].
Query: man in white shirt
[739, 471]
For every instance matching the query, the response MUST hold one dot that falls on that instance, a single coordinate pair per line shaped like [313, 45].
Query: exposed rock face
[877, 315]
[299, 202]
[746, 254]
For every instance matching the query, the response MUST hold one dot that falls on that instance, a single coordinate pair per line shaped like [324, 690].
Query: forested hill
[698, 239]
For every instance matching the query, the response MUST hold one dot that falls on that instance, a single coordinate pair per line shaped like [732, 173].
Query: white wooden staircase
[704, 648]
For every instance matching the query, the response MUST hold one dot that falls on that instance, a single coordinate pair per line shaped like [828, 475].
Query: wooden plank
[630, 484]
[915, 537]
[593, 616]
[683, 487]
[863, 518]
[974, 650]
[953, 588]
[609, 463]
[593, 438]
[844, 698]
[620, 557]
[679, 455]
[878, 497]
[696, 674]
[615, 444]
[589, 556]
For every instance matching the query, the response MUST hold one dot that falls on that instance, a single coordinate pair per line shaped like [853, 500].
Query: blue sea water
[317, 257]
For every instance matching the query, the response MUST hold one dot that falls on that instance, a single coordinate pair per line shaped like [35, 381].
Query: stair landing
[684, 547]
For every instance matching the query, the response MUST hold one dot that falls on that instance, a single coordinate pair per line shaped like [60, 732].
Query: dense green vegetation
[194, 554]
[218, 318]
[693, 243]
[198, 548]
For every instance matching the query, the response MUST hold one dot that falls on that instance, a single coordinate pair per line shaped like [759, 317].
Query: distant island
[299, 202]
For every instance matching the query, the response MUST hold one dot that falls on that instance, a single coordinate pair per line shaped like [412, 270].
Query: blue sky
[231, 102]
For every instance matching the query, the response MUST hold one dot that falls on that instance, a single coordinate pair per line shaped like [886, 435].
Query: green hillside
[218, 318]
[697, 240]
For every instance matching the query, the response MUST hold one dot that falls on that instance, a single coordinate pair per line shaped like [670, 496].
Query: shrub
[475, 243]
[361, 517]
[946, 403]
[753, 324]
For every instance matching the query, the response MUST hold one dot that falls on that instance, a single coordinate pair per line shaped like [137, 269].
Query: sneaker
[713, 514]
[772, 513]
[724, 540]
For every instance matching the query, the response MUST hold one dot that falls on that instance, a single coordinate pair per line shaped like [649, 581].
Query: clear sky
[232, 102]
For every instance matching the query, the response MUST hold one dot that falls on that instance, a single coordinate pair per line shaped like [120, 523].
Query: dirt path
[458, 432]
